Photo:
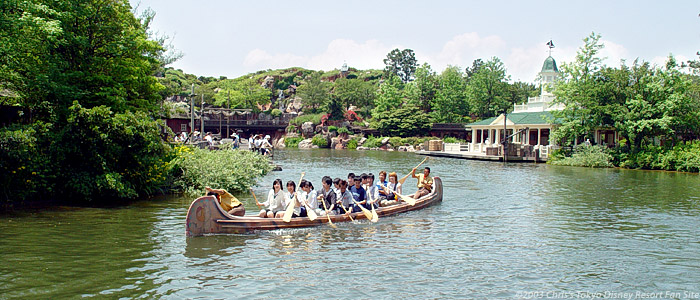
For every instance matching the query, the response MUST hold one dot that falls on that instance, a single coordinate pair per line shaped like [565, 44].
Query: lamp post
[192, 94]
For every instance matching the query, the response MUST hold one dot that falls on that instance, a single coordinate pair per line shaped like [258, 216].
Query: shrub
[332, 128]
[320, 141]
[276, 113]
[292, 142]
[234, 171]
[372, 142]
[352, 144]
[450, 139]
[586, 156]
[342, 130]
[396, 141]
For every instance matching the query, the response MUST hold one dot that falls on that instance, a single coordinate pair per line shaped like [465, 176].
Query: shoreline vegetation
[84, 96]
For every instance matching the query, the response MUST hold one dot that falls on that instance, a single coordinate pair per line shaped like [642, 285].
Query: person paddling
[425, 182]
[228, 202]
[275, 201]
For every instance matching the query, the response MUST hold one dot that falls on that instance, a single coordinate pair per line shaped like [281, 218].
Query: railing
[448, 126]
[215, 123]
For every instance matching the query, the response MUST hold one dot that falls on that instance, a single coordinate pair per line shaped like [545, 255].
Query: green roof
[550, 65]
[523, 118]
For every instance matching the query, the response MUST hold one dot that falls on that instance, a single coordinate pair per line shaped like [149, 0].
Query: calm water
[500, 231]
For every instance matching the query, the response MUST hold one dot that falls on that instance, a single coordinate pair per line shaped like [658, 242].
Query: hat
[267, 137]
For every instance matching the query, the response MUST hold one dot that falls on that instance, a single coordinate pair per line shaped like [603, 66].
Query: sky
[234, 37]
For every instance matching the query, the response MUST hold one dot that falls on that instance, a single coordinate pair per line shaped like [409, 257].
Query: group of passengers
[338, 196]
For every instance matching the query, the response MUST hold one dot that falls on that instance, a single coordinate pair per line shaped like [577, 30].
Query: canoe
[205, 216]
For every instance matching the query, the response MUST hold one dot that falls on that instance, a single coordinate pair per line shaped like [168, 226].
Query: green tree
[450, 104]
[314, 93]
[401, 63]
[427, 85]
[354, 92]
[243, 92]
[488, 88]
[406, 121]
[519, 91]
[388, 98]
[577, 90]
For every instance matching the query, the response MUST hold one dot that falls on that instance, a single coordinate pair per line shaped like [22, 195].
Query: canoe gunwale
[205, 216]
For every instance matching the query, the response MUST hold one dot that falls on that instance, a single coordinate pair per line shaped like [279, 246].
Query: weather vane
[551, 45]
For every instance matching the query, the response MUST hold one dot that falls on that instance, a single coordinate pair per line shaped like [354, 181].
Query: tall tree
[488, 89]
[314, 93]
[388, 98]
[450, 104]
[401, 63]
[427, 84]
[354, 92]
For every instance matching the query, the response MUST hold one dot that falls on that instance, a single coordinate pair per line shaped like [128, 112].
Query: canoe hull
[205, 216]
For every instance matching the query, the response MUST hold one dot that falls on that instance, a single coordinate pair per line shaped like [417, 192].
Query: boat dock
[517, 153]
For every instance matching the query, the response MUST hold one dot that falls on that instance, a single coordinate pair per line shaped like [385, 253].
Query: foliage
[372, 142]
[276, 113]
[334, 109]
[320, 141]
[405, 121]
[242, 92]
[354, 92]
[389, 97]
[332, 128]
[313, 118]
[586, 156]
[292, 142]
[450, 104]
[684, 157]
[342, 130]
[488, 88]
[427, 86]
[232, 170]
[352, 144]
[314, 93]
[450, 139]
[401, 63]
[396, 141]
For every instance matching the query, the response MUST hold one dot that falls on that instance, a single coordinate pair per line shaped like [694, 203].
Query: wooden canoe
[205, 216]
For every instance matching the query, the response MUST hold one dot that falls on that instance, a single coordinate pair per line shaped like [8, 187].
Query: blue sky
[234, 38]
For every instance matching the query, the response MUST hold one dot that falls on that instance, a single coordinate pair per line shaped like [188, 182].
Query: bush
[332, 128]
[684, 157]
[292, 142]
[586, 156]
[450, 139]
[396, 141]
[352, 144]
[320, 141]
[372, 142]
[342, 130]
[276, 113]
[233, 171]
[313, 118]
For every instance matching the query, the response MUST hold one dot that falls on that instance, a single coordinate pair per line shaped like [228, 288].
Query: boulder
[385, 141]
[402, 148]
[305, 144]
[362, 148]
[307, 129]
[280, 144]
[361, 141]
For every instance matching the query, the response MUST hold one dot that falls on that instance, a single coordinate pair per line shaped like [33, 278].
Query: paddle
[403, 179]
[367, 213]
[290, 208]
[375, 216]
[309, 212]
[327, 213]
[347, 212]
[256, 198]
[407, 199]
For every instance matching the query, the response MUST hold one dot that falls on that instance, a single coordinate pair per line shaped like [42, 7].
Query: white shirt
[275, 202]
[312, 199]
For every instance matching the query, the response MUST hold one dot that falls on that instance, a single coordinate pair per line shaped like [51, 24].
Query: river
[502, 231]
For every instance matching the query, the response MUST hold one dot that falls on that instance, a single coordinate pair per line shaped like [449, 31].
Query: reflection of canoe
[206, 216]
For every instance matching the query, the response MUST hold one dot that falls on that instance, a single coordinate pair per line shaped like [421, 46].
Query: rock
[292, 134]
[339, 146]
[402, 148]
[361, 141]
[411, 149]
[280, 144]
[385, 141]
[305, 144]
[319, 129]
[362, 148]
[307, 129]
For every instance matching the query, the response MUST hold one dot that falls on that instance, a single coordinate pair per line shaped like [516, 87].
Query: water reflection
[500, 229]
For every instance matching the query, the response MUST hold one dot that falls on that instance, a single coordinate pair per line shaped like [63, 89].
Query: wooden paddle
[368, 214]
[290, 208]
[403, 179]
[309, 212]
[327, 213]
[256, 198]
[407, 199]
[347, 212]
[375, 216]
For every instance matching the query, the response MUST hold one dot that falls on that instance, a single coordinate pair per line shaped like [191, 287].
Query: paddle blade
[368, 214]
[407, 199]
[375, 216]
[289, 212]
[311, 213]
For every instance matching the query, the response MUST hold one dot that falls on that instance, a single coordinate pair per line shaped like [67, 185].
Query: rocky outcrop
[307, 129]
[280, 144]
[306, 144]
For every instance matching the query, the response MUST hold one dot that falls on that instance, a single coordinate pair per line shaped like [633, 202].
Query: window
[183, 127]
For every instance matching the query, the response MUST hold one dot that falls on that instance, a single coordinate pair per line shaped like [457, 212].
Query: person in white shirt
[391, 188]
[275, 201]
[345, 200]
[290, 199]
[251, 143]
[372, 192]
